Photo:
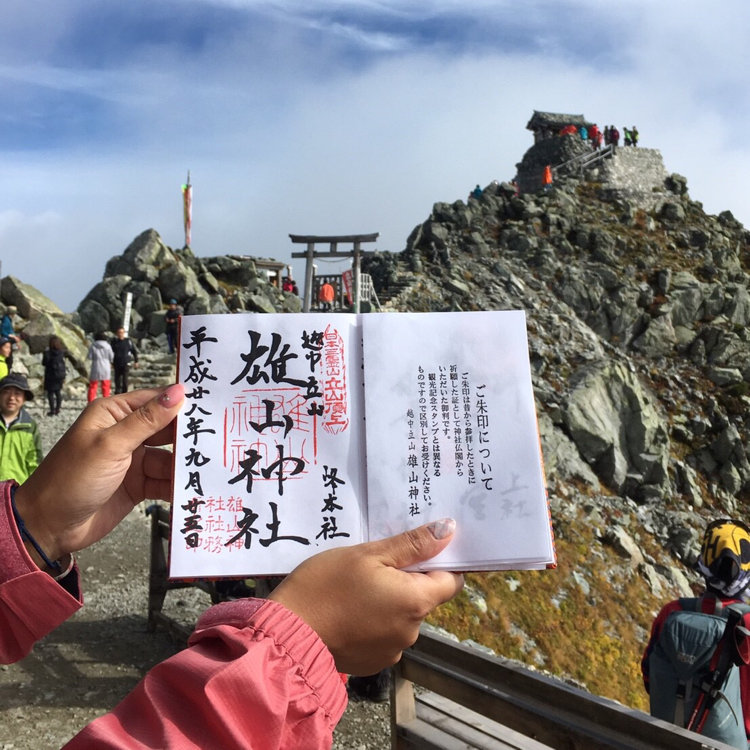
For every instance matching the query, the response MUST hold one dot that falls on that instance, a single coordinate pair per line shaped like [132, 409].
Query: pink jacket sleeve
[32, 603]
[254, 676]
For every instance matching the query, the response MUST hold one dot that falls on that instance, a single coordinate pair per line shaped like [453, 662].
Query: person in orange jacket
[326, 297]
[547, 177]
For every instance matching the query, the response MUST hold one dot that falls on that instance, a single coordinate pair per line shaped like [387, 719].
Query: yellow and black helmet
[724, 560]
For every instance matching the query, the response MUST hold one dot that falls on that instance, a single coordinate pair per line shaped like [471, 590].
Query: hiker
[172, 324]
[6, 349]
[614, 135]
[20, 441]
[6, 325]
[595, 136]
[326, 297]
[53, 362]
[547, 178]
[626, 139]
[125, 355]
[101, 355]
[684, 624]
[476, 192]
[8, 332]
[257, 673]
[634, 135]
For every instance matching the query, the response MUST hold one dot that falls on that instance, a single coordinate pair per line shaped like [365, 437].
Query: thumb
[416, 545]
[149, 418]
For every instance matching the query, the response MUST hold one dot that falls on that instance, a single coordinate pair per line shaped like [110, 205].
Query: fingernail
[172, 395]
[442, 528]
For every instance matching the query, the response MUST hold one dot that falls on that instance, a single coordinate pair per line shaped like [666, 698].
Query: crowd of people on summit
[592, 135]
[610, 136]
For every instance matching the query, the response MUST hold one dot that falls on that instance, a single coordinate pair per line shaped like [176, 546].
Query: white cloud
[285, 132]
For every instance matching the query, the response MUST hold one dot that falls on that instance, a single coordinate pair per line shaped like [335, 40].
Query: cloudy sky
[331, 117]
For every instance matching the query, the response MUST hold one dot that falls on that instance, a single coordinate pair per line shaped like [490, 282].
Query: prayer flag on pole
[187, 208]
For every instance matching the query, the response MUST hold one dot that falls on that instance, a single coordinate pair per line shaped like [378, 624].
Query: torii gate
[356, 252]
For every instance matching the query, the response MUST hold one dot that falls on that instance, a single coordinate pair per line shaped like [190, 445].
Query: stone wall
[635, 174]
[553, 151]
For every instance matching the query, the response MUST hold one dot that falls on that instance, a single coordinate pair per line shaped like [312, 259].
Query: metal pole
[308, 276]
[357, 281]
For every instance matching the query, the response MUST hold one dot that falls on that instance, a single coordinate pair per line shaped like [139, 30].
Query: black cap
[16, 380]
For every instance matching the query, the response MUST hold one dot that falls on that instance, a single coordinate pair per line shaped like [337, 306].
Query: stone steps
[155, 368]
[402, 283]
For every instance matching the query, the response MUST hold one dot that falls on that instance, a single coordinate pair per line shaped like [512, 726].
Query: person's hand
[100, 469]
[362, 605]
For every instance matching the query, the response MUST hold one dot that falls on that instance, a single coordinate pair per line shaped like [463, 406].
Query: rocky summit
[638, 307]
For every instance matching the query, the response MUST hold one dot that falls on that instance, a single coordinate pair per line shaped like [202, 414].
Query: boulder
[29, 301]
[625, 545]
[179, 281]
[142, 259]
[562, 461]
[658, 339]
[103, 307]
[617, 426]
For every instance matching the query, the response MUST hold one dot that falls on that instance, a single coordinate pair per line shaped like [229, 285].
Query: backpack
[693, 672]
[58, 367]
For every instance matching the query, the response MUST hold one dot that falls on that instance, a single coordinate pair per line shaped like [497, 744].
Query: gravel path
[88, 664]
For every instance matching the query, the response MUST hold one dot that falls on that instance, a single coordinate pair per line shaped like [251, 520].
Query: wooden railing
[474, 700]
[448, 696]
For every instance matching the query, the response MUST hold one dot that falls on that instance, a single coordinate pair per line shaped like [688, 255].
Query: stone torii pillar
[332, 241]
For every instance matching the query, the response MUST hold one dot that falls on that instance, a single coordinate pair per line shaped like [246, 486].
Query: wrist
[39, 543]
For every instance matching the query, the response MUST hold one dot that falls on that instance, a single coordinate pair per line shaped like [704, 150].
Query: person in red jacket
[597, 138]
[257, 674]
[724, 563]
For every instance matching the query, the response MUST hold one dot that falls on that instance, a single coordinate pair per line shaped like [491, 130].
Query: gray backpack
[694, 674]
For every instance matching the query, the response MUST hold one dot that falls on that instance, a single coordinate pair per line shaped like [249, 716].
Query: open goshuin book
[303, 432]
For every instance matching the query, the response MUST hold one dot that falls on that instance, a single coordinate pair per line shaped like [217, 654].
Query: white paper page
[451, 432]
[269, 463]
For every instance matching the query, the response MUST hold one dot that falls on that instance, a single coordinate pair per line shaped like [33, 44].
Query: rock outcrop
[39, 318]
[638, 330]
[155, 273]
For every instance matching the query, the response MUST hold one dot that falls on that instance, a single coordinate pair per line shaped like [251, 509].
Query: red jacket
[707, 607]
[254, 675]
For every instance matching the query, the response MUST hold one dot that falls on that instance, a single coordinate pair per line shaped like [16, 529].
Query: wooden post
[126, 315]
[403, 705]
